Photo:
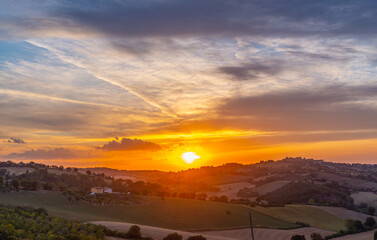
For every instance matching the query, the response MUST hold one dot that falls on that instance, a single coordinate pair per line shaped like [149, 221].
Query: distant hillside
[290, 180]
[354, 177]
[311, 193]
[134, 175]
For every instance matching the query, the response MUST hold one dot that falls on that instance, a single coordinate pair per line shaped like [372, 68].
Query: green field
[307, 214]
[179, 214]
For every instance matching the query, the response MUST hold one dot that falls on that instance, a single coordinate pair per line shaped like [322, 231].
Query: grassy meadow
[307, 214]
[182, 214]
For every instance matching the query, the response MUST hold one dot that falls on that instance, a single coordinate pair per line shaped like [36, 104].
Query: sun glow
[189, 157]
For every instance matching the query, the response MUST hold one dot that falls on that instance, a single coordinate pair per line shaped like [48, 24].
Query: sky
[135, 84]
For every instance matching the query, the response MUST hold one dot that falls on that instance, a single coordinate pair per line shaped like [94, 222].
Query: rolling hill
[182, 214]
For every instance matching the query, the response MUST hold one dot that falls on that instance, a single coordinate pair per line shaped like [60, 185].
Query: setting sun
[189, 157]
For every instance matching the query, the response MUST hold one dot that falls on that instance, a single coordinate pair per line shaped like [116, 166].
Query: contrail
[163, 109]
[43, 96]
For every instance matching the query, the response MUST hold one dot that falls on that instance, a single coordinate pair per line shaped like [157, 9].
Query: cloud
[128, 144]
[299, 99]
[156, 65]
[56, 153]
[325, 107]
[221, 18]
[137, 49]
[16, 140]
[171, 18]
[30, 112]
[251, 71]
[320, 56]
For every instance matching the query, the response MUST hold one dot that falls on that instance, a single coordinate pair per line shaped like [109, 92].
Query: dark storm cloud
[56, 153]
[128, 144]
[16, 140]
[171, 18]
[332, 107]
[251, 71]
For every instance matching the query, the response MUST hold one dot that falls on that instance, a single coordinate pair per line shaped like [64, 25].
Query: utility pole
[251, 226]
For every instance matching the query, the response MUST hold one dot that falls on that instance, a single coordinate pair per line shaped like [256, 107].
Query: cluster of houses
[100, 190]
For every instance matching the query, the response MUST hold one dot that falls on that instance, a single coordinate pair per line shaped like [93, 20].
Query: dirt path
[268, 234]
[155, 232]
[237, 234]
[358, 236]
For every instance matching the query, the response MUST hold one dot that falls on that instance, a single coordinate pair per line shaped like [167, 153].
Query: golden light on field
[189, 157]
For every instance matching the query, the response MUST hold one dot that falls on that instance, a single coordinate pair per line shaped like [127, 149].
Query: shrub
[354, 226]
[173, 236]
[198, 237]
[371, 210]
[359, 226]
[214, 198]
[302, 224]
[223, 198]
[134, 232]
[370, 222]
[298, 237]
[316, 236]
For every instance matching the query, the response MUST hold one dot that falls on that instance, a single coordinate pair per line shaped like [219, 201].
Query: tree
[370, 222]
[27, 185]
[214, 198]
[354, 225]
[134, 232]
[173, 236]
[371, 210]
[47, 186]
[3, 172]
[316, 236]
[202, 196]
[29, 223]
[198, 237]
[311, 201]
[223, 198]
[15, 183]
[7, 232]
[359, 226]
[350, 224]
[363, 205]
[298, 237]
[89, 172]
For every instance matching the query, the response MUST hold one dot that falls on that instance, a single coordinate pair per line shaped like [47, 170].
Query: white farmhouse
[101, 190]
